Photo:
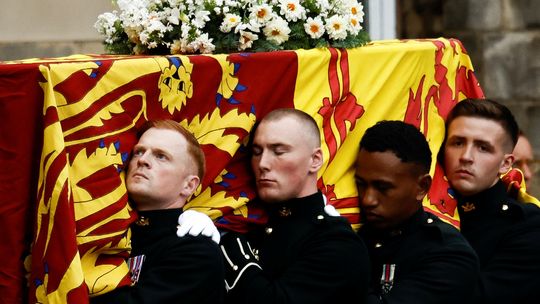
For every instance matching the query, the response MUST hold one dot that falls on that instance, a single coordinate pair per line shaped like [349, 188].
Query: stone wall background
[503, 39]
[52, 28]
[501, 36]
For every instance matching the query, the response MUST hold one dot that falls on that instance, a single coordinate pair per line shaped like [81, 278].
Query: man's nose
[467, 154]
[143, 160]
[264, 161]
[368, 199]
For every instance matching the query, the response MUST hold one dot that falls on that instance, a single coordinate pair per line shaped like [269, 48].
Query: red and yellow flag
[79, 116]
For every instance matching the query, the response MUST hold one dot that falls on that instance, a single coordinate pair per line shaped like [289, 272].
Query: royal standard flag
[68, 126]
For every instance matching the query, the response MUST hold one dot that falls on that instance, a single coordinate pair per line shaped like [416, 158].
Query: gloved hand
[196, 223]
[329, 209]
[239, 256]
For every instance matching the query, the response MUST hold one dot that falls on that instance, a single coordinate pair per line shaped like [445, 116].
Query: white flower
[143, 37]
[357, 10]
[246, 40]
[314, 27]
[253, 26]
[201, 17]
[105, 26]
[153, 24]
[261, 13]
[174, 17]
[336, 27]
[204, 44]
[230, 21]
[277, 30]
[180, 46]
[354, 25]
[183, 25]
[292, 10]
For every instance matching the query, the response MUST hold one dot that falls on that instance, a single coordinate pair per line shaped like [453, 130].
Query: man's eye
[161, 156]
[383, 188]
[484, 148]
[456, 143]
[256, 151]
[138, 152]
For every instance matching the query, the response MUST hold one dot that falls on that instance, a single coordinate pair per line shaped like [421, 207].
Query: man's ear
[316, 160]
[506, 163]
[190, 185]
[424, 183]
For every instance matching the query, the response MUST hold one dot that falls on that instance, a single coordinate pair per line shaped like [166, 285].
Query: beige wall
[49, 28]
[50, 20]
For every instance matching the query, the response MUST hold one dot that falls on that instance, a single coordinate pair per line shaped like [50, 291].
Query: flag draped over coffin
[93, 105]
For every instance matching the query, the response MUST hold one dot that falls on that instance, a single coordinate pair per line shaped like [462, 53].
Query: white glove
[330, 210]
[196, 223]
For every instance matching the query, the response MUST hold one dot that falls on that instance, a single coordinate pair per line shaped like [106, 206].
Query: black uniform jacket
[306, 256]
[423, 261]
[506, 237]
[175, 270]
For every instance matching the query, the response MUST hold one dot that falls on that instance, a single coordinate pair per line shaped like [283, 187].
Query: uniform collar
[492, 200]
[158, 218]
[410, 225]
[303, 206]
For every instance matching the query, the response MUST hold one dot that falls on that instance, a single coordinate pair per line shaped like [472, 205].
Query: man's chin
[269, 196]
[464, 188]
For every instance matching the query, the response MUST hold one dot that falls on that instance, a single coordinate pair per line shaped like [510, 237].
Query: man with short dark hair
[415, 257]
[166, 167]
[302, 255]
[480, 137]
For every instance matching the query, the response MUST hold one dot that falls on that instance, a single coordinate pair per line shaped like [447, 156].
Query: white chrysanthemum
[357, 10]
[354, 25]
[314, 27]
[292, 10]
[336, 27]
[277, 30]
[230, 21]
[246, 40]
[261, 13]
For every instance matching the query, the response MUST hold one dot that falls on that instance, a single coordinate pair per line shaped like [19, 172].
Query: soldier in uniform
[166, 167]
[415, 257]
[302, 255]
[480, 137]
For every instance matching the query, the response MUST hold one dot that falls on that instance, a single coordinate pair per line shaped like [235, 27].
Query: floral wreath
[226, 26]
